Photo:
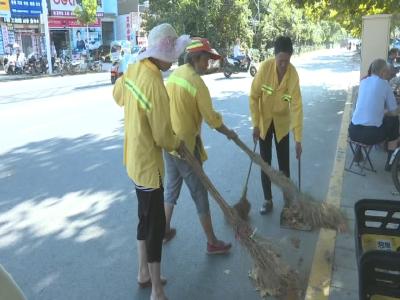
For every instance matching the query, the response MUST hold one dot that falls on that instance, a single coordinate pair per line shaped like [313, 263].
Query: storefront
[25, 32]
[22, 28]
[66, 34]
[69, 37]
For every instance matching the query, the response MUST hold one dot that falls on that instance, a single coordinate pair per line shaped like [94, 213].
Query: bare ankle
[143, 275]
[157, 294]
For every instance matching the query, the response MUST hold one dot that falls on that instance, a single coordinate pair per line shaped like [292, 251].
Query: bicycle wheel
[396, 172]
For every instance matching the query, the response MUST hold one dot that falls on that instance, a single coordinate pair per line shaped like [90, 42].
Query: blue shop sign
[25, 8]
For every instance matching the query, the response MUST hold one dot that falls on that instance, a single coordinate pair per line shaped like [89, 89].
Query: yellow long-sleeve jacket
[190, 103]
[148, 128]
[280, 103]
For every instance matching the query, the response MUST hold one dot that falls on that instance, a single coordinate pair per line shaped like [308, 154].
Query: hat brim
[163, 54]
[214, 56]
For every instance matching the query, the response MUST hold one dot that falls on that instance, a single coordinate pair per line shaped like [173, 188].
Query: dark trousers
[372, 135]
[151, 227]
[282, 151]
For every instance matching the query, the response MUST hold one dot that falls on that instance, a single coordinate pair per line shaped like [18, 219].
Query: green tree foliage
[221, 21]
[256, 22]
[347, 13]
[284, 18]
[86, 12]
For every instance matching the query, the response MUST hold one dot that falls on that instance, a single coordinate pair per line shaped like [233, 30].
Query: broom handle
[192, 161]
[299, 170]
[248, 173]
[278, 178]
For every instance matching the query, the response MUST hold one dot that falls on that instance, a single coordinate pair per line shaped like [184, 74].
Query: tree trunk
[87, 37]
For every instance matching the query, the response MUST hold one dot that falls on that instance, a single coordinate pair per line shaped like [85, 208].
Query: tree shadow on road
[67, 219]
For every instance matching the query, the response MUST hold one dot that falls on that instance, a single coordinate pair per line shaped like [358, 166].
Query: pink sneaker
[219, 248]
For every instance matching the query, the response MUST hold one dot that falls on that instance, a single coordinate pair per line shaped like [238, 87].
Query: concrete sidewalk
[5, 77]
[68, 211]
[334, 273]
[377, 185]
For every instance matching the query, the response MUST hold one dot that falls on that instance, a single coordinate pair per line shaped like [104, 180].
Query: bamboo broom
[311, 212]
[271, 276]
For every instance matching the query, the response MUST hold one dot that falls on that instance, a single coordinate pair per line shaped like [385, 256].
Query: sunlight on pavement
[73, 216]
[46, 281]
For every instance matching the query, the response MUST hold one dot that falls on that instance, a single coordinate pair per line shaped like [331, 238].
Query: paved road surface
[68, 210]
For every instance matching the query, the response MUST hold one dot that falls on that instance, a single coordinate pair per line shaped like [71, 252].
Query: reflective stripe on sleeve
[183, 83]
[137, 94]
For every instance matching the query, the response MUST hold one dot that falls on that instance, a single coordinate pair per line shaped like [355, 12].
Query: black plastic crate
[379, 275]
[377, 226]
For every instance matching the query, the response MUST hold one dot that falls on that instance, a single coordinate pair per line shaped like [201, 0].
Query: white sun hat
[164, 44]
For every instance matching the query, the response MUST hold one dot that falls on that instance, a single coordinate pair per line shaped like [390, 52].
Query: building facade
[21, 27]
[67, 36]
[130, 22]
[109, 21]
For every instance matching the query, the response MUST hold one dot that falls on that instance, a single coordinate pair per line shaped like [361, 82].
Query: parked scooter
[9, 64]
[233, 66]
[58, 66]
[42, 64]
[31, 65]
[15, 64]
[94, 65]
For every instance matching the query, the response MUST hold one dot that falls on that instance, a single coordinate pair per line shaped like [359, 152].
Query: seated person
[370, 124]
[391, 60]
[237, 52]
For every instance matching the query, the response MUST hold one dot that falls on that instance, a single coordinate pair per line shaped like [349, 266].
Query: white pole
[47, 34]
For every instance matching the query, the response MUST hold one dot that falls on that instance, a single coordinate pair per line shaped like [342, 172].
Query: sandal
[147, 284]
[169, 235]
[219, 248]
[266, 207]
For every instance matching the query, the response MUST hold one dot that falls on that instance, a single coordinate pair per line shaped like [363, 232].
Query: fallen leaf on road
[295, 242]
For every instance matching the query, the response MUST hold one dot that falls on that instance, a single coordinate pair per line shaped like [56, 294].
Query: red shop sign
[65, 22]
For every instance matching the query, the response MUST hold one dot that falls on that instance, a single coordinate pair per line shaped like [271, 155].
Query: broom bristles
[271, 276]
[314, 213]
[243, 207]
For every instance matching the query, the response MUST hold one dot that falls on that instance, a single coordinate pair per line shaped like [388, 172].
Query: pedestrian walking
[276, 108]
[190, 104]
[148, 130]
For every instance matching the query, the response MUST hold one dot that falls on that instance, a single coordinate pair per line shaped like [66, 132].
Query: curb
[319, 282]
[7, 78]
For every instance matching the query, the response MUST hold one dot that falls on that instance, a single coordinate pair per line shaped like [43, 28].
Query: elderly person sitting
[370, 123]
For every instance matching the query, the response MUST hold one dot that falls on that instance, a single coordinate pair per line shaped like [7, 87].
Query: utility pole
[45, 20]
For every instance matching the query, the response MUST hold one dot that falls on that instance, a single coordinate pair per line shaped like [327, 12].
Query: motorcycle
[9, 65]
[58, 66]
[44, 64]
[31, 65]
[233, 66]
[14, 65]
[94, 65]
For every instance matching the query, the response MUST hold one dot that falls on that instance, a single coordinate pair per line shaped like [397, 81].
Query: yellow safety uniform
[9, 290]
[278, 103]
[190, 103]
[148, 129]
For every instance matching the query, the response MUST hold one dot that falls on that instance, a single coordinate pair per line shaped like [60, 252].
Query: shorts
[151, 227]
[178, 171]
